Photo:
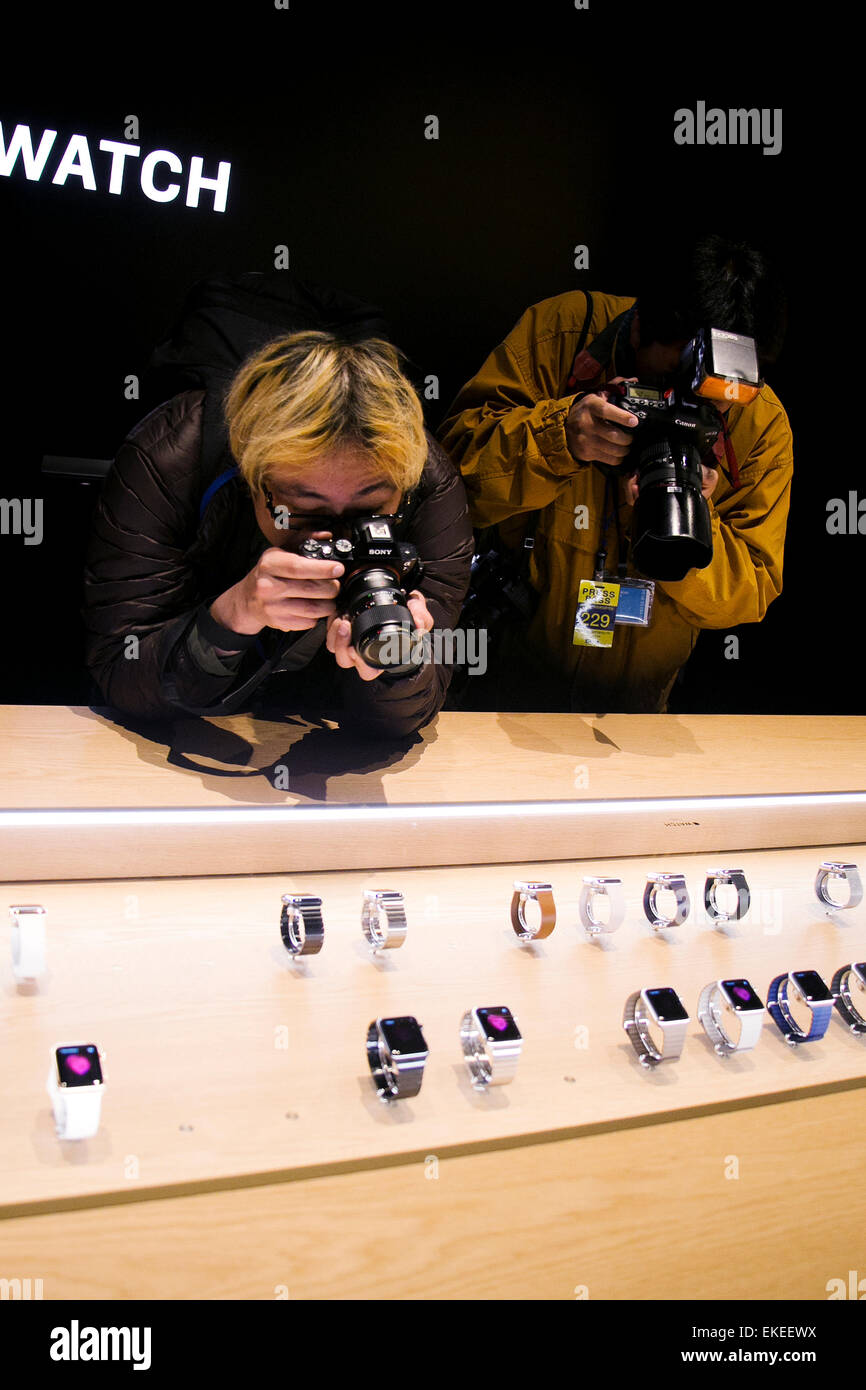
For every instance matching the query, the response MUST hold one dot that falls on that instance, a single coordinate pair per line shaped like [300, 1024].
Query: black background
[556, 128]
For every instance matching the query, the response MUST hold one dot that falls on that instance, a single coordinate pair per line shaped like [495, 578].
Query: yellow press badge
[597, 602]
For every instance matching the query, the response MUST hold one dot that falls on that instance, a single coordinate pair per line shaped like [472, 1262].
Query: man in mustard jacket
[529, 431]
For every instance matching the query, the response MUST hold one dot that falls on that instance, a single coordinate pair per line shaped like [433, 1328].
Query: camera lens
[376, 605]
[671, 527]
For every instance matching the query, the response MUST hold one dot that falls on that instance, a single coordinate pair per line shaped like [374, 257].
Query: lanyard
[610, 513]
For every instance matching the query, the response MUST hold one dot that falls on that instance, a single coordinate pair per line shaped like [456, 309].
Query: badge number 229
[594, 620]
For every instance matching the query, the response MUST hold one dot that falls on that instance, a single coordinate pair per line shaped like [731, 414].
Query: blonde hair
[306, 394]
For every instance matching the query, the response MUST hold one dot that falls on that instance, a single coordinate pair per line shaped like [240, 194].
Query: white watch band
[610, 888]
[76, 1109]
[28, 941]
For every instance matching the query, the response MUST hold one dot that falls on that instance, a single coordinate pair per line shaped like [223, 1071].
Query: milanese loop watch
[660, 1012]
[28, 941]
[731, 1015]
[849, 989]
[610, 888]
[75, 1085]
[383, 919]
[492, 1043]
[301, 925]
[807, 988]
[396, 1053]
[829, 874]
[676, 884]
[717, 878]
[541, 893]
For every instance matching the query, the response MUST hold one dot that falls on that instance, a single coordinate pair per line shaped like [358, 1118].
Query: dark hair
[721, 283]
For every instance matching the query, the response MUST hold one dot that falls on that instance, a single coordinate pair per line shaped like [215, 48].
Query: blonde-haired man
[209, 580]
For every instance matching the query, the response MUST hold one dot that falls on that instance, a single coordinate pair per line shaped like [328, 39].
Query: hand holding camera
[599, 431]
[283, 590]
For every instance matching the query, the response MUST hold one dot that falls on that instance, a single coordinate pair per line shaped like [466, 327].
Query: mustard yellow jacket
[506, 432]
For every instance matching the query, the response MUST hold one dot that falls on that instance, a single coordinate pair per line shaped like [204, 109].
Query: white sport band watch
[492, 1044]
[28, 941]
[610, 888]
[659, 1009]
[383, 919]
[731, 1015]
[75, 1085]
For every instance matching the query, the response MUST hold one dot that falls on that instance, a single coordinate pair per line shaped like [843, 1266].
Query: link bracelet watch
[396, 1054]
[851, 980]
[75, 1085]
[662, 1008]
[301, 924]
[724, 1000]
[813, 992]
[541, 893]
[491, 1043]
[676, 884]
[383, 919]
[830, 872]
[716, 878]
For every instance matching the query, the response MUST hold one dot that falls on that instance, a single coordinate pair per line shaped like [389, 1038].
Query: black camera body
[379, 571]
[671, 528]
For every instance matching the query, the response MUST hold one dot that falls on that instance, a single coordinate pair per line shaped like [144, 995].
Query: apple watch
[717, 878]
[610, 888]
[849, 989]
[301, 925]
[676, 884]
[383, 919]
[75, 1085]
[831, 873]
[541, 893]
[663, 1010]
[492, 1043]
[807, 987]
[731, 1002]
[396, 1053]
[28, 941]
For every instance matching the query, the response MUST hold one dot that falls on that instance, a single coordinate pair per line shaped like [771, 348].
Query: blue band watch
[814, 993]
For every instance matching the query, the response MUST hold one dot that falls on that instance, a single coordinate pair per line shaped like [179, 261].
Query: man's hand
[597, 431]
[340, 636]
[283, 590]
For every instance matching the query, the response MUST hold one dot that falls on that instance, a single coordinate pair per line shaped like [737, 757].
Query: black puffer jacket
[153, 564]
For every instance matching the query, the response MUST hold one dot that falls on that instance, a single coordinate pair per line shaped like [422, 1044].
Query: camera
[671, 527]
[379, 569]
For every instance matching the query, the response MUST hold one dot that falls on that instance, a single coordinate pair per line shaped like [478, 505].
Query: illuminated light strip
[123, 817]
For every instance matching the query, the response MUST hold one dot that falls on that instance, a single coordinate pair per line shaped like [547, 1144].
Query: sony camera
[379, 570]
[671, 527]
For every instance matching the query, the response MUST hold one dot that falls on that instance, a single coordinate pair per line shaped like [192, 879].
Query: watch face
[79, 1065]
[860, 969]
[812, 987]
[403, 1035]
[667, 1006]
[498, 1024]
[740, 995]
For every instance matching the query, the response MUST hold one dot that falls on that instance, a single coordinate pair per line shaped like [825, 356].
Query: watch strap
[842, 1001]
[391, 904]
[542, 893]
[301, 925]
[738, 879]
[676, 883]
[394, 1078]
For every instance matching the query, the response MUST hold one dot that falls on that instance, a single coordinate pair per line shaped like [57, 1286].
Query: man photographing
[553, 442]
[193, 602]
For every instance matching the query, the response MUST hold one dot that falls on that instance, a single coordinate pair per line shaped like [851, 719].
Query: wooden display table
[243, 1151]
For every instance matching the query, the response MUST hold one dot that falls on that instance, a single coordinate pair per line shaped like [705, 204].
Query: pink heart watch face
[498, 1022]
[80, 1065]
